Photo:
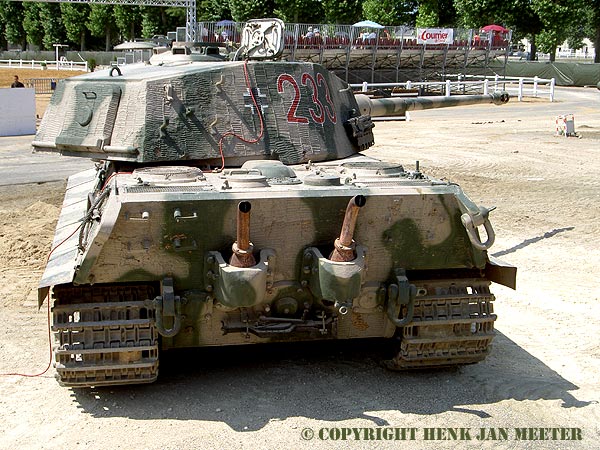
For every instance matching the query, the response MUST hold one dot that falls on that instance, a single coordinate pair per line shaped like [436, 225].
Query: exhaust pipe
[242, 247]
[345, 245]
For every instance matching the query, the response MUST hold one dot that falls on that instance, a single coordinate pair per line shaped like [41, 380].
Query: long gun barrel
[399, 106]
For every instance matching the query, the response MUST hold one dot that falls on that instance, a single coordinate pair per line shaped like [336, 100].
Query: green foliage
[299, 11]
[211, 10]
[242, 10]
[446, 14]
[126, 18]
[32, 23]
[12, 15]
[175, 17]
[54, 30]
[342, 11]
[151, 21]
[3, 43]
[100, 18]
[587, 26]
[477, 13]
[556, 18]
[91, 64]
[101, 23]
[390, 12]
[428, 15]
[74, 17]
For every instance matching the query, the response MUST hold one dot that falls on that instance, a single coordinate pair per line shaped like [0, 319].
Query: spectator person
[317, 36]
[17, 83]
[226, 34]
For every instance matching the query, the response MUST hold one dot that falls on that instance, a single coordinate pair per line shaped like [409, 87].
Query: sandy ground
[7, 74]
[544, 369]
[41, 100]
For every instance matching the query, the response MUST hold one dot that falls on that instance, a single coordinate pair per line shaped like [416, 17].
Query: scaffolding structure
[388, 54]
[357, 54]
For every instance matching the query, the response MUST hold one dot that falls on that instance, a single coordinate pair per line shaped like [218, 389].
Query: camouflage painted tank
[231, 205]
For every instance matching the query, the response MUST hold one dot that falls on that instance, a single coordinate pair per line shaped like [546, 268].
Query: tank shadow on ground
[246, 387]
[526, 242]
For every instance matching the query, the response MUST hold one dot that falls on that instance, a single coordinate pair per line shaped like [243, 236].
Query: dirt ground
[543, 372]
[41, 101]
[7, 74]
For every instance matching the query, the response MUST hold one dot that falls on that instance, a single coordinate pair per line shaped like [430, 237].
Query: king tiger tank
[231, 205]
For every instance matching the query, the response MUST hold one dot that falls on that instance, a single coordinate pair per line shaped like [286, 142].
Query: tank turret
[220, 113]
[231, 204]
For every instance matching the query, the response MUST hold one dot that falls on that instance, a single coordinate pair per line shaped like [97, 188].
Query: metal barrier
[41, 85]
[519, 87]
[516, 86]
[391, 53]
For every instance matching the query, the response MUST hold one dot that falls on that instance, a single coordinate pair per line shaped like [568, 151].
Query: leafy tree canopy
[390, 12]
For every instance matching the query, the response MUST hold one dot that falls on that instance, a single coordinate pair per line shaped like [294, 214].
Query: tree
[390, 12]
[75, 16]
[594, 27]
[544, 22]
[243, 10]
[299, 11]
[3, 42]
[342, 11]
[126, 19]
[518, 15]
[556, 17]
[101, 23]
[12, 15]
[428, 14]
[211, 10]
[32, 23]
[588, 26]
[436, 13]
[54, 30]
[151, 21]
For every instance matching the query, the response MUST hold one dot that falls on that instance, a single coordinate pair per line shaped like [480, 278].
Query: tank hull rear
[154, 252]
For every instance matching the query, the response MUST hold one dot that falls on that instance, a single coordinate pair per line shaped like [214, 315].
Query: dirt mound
[25, 235]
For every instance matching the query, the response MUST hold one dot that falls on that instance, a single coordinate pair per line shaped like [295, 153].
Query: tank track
[104, 335]
[453, 324]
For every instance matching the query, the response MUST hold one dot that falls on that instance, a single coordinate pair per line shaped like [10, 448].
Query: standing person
[17, 83]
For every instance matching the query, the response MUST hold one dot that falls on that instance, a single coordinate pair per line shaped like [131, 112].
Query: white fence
[42, 65]
[519, 87]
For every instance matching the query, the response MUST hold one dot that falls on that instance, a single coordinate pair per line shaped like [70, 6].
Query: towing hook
[159, 306]
[167, 305]
[342, 308]
[401, 293]
[472, 221]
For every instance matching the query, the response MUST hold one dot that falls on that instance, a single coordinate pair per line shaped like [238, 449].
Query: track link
[104, 335]
[453, 324]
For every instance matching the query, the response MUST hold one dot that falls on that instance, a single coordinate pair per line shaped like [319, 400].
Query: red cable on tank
[241, 138]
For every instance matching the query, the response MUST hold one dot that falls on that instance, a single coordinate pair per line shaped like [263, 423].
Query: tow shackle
[472, 221]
